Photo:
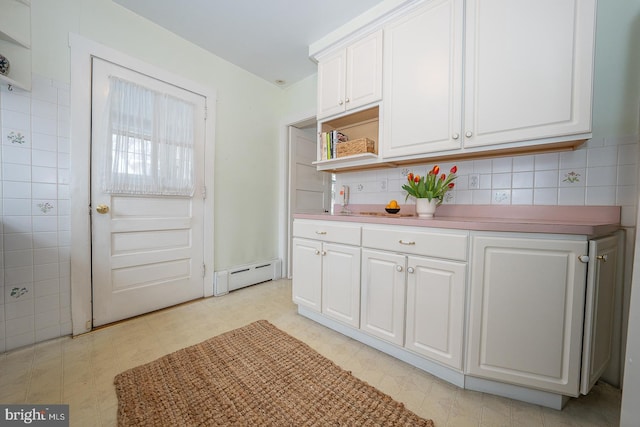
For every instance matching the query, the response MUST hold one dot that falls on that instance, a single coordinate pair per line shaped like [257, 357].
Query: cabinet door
[435, 309]
[331, 84]
[602, 280]
[423, 80]
[307, 273]
[341, 283]
[364, 71]
[528, 69]
[526, 312]
[383, 295]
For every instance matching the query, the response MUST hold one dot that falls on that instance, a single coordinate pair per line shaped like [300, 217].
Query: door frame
[82, 51]
[284, 250]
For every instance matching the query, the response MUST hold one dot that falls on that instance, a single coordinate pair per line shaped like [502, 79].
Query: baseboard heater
[246, 275]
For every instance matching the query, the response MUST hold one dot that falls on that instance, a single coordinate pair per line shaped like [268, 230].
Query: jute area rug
[256, 375]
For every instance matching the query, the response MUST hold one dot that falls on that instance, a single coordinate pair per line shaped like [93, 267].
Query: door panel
[147, 251]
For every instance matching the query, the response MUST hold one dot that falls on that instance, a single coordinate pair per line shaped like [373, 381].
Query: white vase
[425, 208]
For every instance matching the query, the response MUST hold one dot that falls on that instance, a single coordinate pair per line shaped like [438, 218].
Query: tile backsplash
[602, 171]
[35, 302]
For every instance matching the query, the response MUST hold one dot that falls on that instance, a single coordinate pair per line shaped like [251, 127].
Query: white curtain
[150, 142]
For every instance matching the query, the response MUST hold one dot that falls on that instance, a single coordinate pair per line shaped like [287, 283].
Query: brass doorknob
[102, 209]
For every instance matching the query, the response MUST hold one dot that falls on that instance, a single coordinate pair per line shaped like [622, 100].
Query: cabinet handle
[340, 102]
[410, 270]
[604, 258]
[348, 100]
[456, 136]
[402, 242]
[323, 253]
[317, 252]
[398, 268]
[583, 259]
[469, 134]
[321, 232]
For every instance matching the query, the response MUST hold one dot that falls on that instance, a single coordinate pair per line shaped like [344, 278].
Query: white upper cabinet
[423, 80]
[350, 77]
[528, 70]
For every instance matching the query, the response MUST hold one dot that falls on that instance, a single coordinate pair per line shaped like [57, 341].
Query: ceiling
[269, 38]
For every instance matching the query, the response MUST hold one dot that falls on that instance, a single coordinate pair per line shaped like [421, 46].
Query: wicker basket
[356, 146]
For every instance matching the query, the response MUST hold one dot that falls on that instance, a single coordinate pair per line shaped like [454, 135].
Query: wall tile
[15, 101]
[601, 176]
[44, 109]
[43, 158]
[47, 303]
[17, 310]
[45, 272]
[545, 196]
[573, 159]
[14, 172]
[16, 224]
[16, 154]
[45, 223]
[571, 196]
[15, 120]
[605, 156]
[21, 340]
[546, 161]
[42, 174]
[545, 179]
[44, 191]
[502, 164]
[522, 180]
[47, 287]
[523, 163]
[18, 277]
[501, 180]
[45, 256]
[522, 196]
[20, 258]
[601, 196]
[44, 142]
[45, 239]
[16, 190]
[17, 241]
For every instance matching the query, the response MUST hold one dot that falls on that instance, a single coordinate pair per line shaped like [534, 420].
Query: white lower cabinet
[435, 309]
[415, 301]
[307, 273]
[383, 295]
[527, 311]
[326, 269]
[534, 321]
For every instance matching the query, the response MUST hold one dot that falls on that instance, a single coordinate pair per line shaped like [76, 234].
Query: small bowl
[392, 211]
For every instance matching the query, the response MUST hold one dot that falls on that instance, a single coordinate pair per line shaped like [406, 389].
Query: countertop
[591, 221]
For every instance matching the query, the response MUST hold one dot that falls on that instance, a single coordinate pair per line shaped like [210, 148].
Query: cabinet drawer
[450, 244]
[327, 231]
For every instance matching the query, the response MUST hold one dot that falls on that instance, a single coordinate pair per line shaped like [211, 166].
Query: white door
[307, 273]
[147, 251]
[310, 188]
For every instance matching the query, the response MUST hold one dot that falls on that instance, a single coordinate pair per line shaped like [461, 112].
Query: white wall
[35, 243]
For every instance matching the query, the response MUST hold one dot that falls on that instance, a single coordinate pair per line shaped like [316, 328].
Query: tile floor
[80, 371]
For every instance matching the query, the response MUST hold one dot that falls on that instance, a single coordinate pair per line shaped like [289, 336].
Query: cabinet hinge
[204, 192]
[204, 270]
[206, 112]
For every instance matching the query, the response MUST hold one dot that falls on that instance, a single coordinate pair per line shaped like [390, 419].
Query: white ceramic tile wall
[602, 171]
[35, 302]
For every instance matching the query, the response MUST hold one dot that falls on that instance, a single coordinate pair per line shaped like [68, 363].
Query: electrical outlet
[474, 181]
[383, 185]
